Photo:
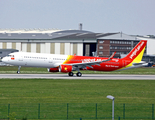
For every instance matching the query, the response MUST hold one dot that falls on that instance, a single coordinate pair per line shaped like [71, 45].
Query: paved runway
[84, 76]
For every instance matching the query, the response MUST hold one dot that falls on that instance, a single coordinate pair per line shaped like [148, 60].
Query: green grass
[75, 91]
[24, 96]
[28, 70]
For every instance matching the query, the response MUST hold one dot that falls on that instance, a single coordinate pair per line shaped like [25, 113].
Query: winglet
[111, 57]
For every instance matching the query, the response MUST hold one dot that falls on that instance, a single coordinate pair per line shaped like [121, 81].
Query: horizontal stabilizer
[140, 63]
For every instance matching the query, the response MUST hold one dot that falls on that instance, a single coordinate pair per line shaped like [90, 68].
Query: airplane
[69, 63]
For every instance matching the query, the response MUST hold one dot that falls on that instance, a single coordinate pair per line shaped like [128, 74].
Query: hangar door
[88, 49]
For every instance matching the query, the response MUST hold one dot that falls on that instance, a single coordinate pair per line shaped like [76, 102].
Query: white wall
[47, 48]
[67, 49]
[150, 50]
[71, 48]
[18, 46]
[24, 47]
[57, 48]
[9, 45]
[80, 49]
[33, 47]
[42, 47]
[1, 45]
[151, 47]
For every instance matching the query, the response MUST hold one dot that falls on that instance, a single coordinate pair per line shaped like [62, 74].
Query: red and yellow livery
[69, 63]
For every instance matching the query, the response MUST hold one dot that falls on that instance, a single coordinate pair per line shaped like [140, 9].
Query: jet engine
[56, 69]
[65, 68]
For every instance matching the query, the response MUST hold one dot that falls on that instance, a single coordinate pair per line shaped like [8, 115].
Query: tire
[70, 73]
[79, 74]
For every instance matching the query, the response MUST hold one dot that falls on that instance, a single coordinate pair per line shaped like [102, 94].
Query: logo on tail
[136, 50]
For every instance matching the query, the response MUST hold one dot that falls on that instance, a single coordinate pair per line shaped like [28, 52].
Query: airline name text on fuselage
[91, 60]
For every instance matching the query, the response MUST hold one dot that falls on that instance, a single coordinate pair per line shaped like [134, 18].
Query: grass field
[76, 91]
[83, 95]
[62, 99]
[13, 70]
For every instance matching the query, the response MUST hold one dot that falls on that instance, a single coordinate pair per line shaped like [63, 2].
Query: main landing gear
[18, 69]
[78, 74]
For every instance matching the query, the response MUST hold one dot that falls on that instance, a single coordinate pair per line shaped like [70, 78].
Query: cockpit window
[10, 56]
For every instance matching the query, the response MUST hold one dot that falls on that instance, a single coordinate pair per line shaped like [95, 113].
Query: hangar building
[67, 42]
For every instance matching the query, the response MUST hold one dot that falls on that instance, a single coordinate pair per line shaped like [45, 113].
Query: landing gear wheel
[78, 74]
[70, 73]
[18, 72]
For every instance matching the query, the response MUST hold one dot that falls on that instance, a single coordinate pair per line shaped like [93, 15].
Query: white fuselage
[35, 59]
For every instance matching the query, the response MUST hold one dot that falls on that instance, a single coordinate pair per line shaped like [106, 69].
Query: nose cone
[3, 59]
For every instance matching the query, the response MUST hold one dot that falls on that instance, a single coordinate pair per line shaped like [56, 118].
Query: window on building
[101, 52]
[100, 47]
[101, 41]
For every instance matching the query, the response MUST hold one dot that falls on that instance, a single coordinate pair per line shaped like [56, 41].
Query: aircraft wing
[89, 64]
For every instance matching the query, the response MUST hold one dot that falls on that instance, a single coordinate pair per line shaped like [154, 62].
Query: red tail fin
[138, 51]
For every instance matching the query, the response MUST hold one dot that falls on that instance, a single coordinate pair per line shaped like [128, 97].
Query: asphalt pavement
[84, 76]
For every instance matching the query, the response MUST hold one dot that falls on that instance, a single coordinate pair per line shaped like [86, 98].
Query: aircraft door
[50, 60]
[20, 58]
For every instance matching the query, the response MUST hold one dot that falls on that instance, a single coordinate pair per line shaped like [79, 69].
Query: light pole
[112, 98]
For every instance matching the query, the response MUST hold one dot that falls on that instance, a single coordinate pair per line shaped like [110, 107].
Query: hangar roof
[59, 34]
[120, 36]
[29, 30]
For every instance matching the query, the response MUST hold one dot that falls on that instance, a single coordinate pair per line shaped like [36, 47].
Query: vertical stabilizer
[137, 52]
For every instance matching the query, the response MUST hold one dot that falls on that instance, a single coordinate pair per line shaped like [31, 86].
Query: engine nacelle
[53, 69]
[65, 68]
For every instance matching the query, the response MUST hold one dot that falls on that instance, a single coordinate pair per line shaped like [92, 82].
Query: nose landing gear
[18, 69]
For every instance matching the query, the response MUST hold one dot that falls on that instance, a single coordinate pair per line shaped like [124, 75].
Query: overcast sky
[136, 17]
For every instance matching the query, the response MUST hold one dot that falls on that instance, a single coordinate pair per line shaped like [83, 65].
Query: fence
[77, 110]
